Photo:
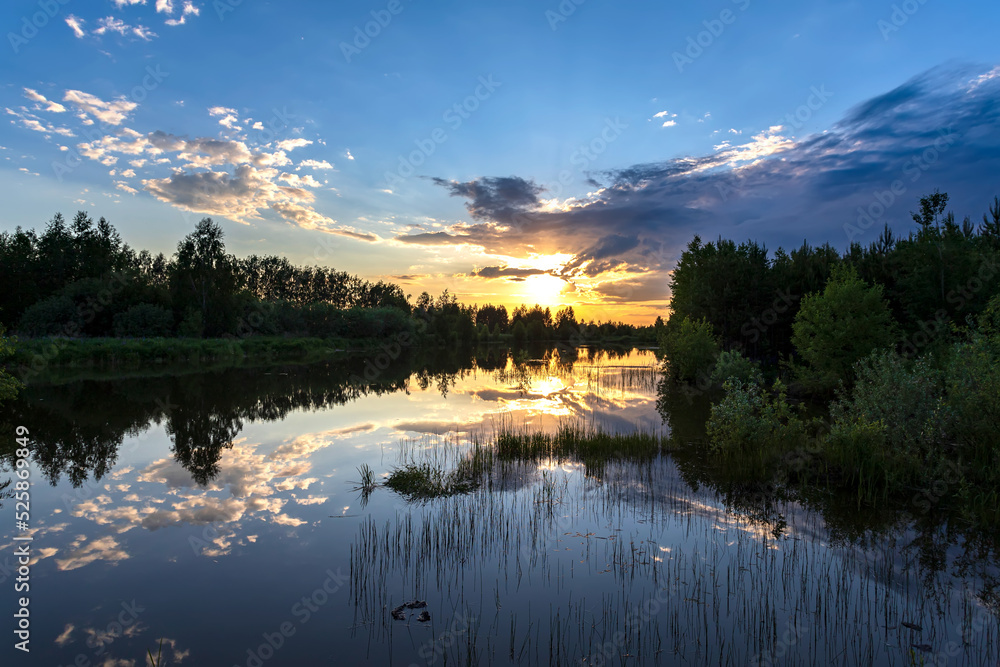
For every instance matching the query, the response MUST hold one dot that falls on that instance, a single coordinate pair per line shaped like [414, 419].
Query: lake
[223, 512]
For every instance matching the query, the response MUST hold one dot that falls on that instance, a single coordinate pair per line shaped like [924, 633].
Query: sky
[539, 152]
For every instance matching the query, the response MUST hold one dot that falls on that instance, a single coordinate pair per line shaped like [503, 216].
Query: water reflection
[238, 488]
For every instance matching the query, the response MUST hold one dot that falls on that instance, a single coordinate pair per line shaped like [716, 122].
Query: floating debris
[424, 616]
[398, 613]
[912, 626]
[926, 648]
[415, 604]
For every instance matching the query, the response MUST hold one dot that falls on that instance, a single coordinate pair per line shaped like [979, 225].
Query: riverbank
[36, 357]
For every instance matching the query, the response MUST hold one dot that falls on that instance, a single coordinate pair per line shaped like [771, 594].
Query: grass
[639, 567]
[425, 481]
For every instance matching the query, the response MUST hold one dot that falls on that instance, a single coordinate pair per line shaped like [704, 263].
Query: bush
[144, 321]
[888, 430]
[732, 365]
[192, 326]
[55, 316]
[750, 421]
[519, 332]
[836, 328]
[9, 385]
[690, 347]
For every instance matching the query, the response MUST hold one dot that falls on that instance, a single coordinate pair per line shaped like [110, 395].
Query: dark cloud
[496, 199]
[507, 272]
[940, 130]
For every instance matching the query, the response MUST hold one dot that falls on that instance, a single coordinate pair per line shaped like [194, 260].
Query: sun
[545, 290]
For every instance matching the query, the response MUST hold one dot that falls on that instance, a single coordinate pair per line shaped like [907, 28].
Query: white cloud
[316, 164]
[122, 3]
[76, 25]
[188, 9]
[292, 144]
[297, 181]
[35, 96]
[229, 120]
[112, 113]
[221, 111]
[165, 6]
[670, 123]
[348, 154]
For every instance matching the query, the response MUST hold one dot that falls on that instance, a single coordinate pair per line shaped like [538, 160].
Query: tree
[839, 326]
[204, 278]
[9, 385]
[690, 347]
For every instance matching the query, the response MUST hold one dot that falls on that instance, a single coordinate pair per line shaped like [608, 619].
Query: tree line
[79, 279]
[941, 272]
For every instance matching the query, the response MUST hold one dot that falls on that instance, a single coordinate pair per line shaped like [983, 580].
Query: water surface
[219, 511]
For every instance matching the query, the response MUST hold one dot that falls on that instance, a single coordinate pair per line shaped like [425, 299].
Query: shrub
[732, 365]
[888, 430]
[749, 421]
[192, 326]
[55, 316]
[519, 332]
[144, 321]
[835, 328]
[690, 347]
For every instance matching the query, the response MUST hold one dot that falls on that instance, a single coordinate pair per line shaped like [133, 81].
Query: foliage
[732, 365]
[754, 425]
[690, 347]
[9, 385]
[144, 320]
[889, 426]
[54, 316]
[836, 328]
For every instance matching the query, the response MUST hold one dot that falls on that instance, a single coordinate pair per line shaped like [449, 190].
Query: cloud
[316, 164]
[669, 123]
[772, 188]
[221, 111]
[292, 144]
[76, 25]
[35, 96]
[506, 272]
[81, 554]
[188, 9]
[111, 113]
[112, 24]
[36, 124]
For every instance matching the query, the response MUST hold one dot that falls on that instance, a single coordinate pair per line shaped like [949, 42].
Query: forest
[79, 279]
[896, 346]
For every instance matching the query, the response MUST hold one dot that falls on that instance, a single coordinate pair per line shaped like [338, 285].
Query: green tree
[204, 279]
[837, 327]
[690, 347]
[9, 385]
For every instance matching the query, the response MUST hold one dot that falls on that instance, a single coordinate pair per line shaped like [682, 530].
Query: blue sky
[514, 151]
